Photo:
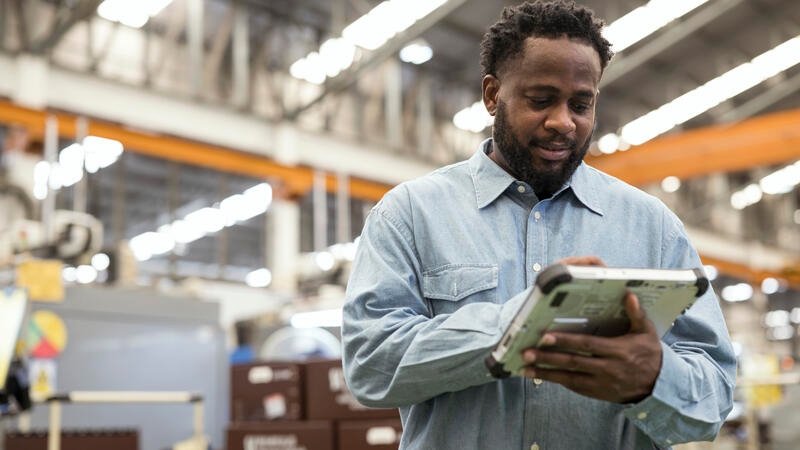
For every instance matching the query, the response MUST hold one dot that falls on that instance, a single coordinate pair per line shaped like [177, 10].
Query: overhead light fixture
[737, 293]
[609, 143]
[473, 118]
[100, 152]
[199, 223]
[645, 20]
[259, 278]
[131, 13]
[711, 272]
[369, 32]
[101, 261]
[670, 184]
[714, 92]
[781, 181]
[417, 52]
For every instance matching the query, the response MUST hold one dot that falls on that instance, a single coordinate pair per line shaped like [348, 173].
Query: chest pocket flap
[453, 282]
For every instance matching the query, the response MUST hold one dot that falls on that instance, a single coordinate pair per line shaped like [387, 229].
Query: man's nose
[559, 119]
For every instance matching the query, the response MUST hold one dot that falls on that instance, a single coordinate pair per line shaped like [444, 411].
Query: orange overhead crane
[764, 140]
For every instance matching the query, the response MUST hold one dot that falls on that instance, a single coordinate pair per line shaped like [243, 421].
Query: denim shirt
[442, 266]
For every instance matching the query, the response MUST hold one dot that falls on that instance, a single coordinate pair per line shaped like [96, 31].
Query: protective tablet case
[589, 300]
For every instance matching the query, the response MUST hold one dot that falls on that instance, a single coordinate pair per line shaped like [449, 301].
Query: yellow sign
[42, 375]
[42, 278]
[47, 335]
[762, 366]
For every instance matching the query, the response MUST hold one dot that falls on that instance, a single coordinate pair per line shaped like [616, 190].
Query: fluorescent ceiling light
[133, 13]
[737, 293]
[100, 152]
[781, 181]
[259, 278]
[711, 94]
[85, 274]
[417, 52]
[370, 31]
[101, 261]
[197, 224]
[670, 184]
[645, 20]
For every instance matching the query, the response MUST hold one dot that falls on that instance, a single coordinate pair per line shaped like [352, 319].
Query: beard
[544, 180]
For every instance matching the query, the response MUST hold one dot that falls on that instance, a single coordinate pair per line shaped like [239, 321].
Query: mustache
[554, 143]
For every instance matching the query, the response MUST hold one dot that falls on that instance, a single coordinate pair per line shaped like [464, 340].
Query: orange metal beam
[760, 141]
[764, 140]
[297, 180]
[754, 276]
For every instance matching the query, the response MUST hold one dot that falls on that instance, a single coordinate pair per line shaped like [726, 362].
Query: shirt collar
[490, 181]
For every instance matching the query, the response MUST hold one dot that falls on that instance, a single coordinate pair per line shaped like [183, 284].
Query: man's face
[543, 102]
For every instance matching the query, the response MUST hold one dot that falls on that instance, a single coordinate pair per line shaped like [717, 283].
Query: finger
[576, 381]
[568, 361]
[579, 343]
[588, 260]
[636, 314]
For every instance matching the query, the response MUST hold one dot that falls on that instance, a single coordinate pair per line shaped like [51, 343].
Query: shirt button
[535, 447]
[537, 215]
[521, 189]
[537, 267]
[537, 381]
[641, 416]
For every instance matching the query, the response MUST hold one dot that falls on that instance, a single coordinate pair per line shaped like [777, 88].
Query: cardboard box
[369, 434]
[76, 440]
[327, 396]
[266, 391]
[281, 435]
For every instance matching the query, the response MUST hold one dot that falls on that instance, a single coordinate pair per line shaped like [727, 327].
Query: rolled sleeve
[693, 393]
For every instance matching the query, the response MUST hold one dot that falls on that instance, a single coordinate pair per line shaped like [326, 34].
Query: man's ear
[490, 86]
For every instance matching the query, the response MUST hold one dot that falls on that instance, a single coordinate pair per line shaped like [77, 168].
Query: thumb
[636, 314]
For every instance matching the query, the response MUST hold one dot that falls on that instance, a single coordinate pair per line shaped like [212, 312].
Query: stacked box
[304, 406]
[368, 434]
[126, 439]
[266, 391]
[281, 435]
[327, 395]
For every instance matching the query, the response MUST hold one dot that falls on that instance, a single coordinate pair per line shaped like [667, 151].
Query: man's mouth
[553, 152]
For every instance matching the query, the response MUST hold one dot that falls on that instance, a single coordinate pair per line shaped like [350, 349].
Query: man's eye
[581, 107]
[539, 102]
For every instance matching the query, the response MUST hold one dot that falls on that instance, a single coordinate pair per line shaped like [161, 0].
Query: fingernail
[548, 339]
[529, 356]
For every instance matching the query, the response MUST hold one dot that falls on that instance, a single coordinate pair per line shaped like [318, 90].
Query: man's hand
[621, 369]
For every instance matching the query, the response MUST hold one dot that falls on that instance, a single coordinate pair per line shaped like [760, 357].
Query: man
[445, 261]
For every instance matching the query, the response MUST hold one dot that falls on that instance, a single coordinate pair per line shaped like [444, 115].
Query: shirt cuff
[653, 414]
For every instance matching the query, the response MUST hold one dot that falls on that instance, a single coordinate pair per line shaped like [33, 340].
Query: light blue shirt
[442, 266]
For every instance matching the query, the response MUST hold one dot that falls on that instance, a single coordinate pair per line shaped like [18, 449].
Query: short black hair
[553, 20]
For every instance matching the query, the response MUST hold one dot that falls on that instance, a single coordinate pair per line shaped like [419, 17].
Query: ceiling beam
[81, 12]
[760, 141]
[763, 101]
[674, 34]
[391, 47]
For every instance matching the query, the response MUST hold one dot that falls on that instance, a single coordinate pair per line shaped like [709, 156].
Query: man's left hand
[620, 369]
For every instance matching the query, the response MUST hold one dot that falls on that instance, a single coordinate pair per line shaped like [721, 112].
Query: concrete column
[343, 209]
[241, 55]
[393, 104]
[320, 212]
[283, 243]
[194, 31]
[80, 198]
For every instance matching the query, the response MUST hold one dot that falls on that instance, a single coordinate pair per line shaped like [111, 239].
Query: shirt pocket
[452, 286]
